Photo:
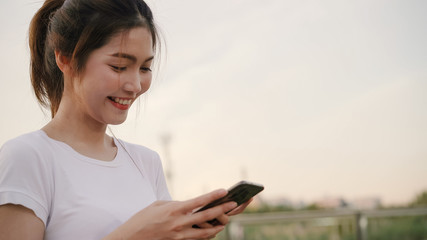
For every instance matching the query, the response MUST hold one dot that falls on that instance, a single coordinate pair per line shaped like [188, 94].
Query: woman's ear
[63, 63]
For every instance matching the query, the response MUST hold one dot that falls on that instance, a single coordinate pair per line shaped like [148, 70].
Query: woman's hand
[223, 219]
[174, 220]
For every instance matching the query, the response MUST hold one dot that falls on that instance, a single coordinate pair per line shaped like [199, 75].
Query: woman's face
[114, 76]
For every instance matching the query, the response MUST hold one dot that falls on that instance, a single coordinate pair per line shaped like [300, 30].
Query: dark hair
[75, 28]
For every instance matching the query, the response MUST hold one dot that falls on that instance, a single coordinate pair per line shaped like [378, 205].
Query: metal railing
[235, 229]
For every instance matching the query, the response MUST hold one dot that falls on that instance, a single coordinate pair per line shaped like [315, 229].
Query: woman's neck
[82, 133]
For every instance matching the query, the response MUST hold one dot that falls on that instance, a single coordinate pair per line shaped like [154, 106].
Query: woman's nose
[132, 83]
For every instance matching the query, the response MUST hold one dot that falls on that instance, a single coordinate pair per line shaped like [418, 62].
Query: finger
[222, 219]
[201, 233]
[211, 213]
[240, 208]
[190, 205]
[204, 225]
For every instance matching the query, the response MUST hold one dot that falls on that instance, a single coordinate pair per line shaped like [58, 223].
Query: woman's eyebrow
[124, 55]
[130, 57]
[149, 59]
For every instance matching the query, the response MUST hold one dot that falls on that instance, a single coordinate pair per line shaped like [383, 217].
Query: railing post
[358, 227]
[361, 226]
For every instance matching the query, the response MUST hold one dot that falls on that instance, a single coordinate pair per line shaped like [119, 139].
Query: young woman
[90, 61]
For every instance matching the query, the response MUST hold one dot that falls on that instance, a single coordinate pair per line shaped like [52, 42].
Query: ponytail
[46, 78]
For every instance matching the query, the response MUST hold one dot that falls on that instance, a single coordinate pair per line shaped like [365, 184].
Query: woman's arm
[20, 223]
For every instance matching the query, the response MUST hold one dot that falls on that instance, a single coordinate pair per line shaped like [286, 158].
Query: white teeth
[122, 101]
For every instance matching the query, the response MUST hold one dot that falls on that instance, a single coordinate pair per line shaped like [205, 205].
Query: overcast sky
[310, 98]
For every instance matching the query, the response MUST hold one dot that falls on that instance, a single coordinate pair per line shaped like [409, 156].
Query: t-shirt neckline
[113, 163]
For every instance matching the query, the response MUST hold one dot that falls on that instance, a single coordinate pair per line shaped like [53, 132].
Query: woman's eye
[145, 69]
[118, 69]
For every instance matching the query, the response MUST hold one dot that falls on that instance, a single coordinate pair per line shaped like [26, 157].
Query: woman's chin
[117, 120]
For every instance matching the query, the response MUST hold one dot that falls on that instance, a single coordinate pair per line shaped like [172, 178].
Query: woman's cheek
[146, 83]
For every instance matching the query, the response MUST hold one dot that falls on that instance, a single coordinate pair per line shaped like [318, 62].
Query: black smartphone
[240, 193]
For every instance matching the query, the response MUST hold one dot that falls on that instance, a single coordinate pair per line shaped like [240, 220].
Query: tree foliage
[420, 200]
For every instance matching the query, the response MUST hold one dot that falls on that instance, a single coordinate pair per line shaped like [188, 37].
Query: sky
[311, 98]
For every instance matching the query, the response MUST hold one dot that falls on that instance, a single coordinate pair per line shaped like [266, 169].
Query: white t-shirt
[78, 197]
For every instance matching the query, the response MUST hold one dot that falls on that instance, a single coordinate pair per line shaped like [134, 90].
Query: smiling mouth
[121, 100]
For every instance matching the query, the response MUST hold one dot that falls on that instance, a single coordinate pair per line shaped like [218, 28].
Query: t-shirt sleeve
[25, 178]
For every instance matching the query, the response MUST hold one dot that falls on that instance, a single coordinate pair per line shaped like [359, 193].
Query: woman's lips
[120, 103]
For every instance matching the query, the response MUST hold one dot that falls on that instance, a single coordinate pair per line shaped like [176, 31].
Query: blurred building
[365, 203]
[332, 202]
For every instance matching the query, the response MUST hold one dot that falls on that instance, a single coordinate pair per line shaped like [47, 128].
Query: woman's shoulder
[30, 140]
[149, 163]
[28, 145]
[141, 152]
